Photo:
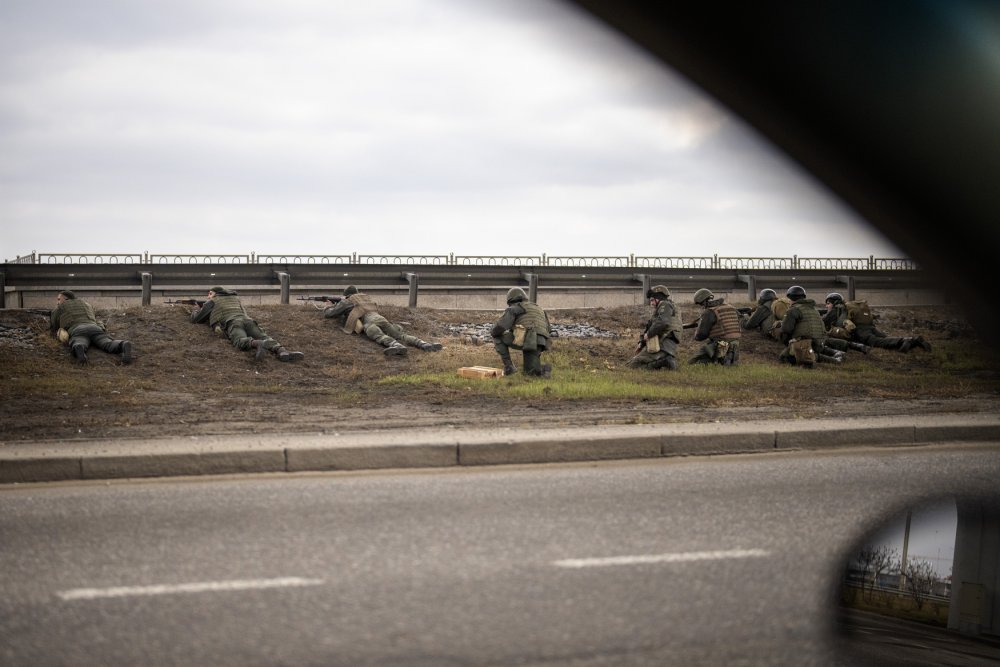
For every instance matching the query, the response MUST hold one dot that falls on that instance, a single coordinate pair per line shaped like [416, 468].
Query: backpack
[780, 306]
[859, 312]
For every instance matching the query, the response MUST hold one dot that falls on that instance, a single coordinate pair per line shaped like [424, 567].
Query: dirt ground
[187, 380]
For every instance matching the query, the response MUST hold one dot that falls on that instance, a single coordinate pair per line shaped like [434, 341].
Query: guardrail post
[645, 279]
[3, 289]
[413, 279]
[849, 282]
[147, 287]
[751, 282]
[532, 279]
[284, 280]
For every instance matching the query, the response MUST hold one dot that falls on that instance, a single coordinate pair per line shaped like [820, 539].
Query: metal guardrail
[870, 263]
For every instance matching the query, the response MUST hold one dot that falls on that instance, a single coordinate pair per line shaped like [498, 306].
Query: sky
[932, 534]
[494, 127]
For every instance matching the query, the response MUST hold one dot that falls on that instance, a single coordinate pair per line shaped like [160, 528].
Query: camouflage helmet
[702, 296]
[766, 295]
[658, 292]
[515, 294]
[834, 297]
[795, 292]
[350, 290]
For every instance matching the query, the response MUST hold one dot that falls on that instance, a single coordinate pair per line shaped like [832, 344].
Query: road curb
[442, 448]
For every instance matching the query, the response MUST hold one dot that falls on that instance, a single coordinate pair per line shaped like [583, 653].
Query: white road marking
[688, 557]
[198, 587]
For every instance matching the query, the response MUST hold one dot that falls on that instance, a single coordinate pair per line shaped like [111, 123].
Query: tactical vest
[226, 308]
[363, 304]
[727, 322]
[533, 317]
[809, 324]
[859, 312]
[73, 312]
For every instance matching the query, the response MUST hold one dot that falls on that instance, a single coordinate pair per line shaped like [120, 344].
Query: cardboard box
[480, 372]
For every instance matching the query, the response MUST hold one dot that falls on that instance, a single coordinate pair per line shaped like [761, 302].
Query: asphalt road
[697, 561]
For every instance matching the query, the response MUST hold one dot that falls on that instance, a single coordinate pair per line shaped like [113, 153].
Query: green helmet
[703, 295]
[796, 292]
[659, 292]
[515, 294]
[834, 297]
[765, 296]
[350, 290]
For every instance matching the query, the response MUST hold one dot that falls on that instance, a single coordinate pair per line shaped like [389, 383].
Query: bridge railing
[870, 263]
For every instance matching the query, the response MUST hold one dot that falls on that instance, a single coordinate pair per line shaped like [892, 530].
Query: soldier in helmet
[523, 326]
[719, 327]
[658, 345]
[358, 312]
[803, 331]
[74, 320]
[762, 319]
[856, 320]
[837, 337]
[223, 310]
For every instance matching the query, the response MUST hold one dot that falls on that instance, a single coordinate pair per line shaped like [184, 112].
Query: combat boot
[905, 345]
[285, 355]
[546, 370]
[920, 342]
[860, 347]
[259, 344]
[430, 347]
[829, 359]
[126, 352]
[80, 354]
[395, 350]
[668, 362]
[508, 366]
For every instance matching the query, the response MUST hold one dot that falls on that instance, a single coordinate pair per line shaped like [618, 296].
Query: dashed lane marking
[687, 557]
[197, 587]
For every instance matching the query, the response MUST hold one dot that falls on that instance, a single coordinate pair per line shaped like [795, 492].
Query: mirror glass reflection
[921, 587]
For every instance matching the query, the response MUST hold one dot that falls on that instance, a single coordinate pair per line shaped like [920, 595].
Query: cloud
[414, 126]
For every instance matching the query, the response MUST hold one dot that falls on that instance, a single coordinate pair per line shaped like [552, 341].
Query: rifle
[691, 325]
[642, 336]
[333, 299]
[745, 310]
[642, 344]
[186, 302]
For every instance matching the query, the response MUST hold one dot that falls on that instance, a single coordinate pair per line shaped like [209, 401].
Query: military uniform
[719, 327]
[662, 332]
[358, 313]
[224, 311]
[864, 331]
[77, 318]
[802, 326]
[523, 326]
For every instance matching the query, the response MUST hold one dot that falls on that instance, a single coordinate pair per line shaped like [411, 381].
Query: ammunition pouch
[721, 349]
[524, 338]
[849, 326]
[653, 344]
[801, 349]
[839, 332]
[775, 330]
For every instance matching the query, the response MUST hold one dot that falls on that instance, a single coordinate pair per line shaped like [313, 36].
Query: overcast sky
[486, 127]
[932, 534]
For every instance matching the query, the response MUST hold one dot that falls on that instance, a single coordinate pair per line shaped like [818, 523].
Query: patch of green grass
[747, 383]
